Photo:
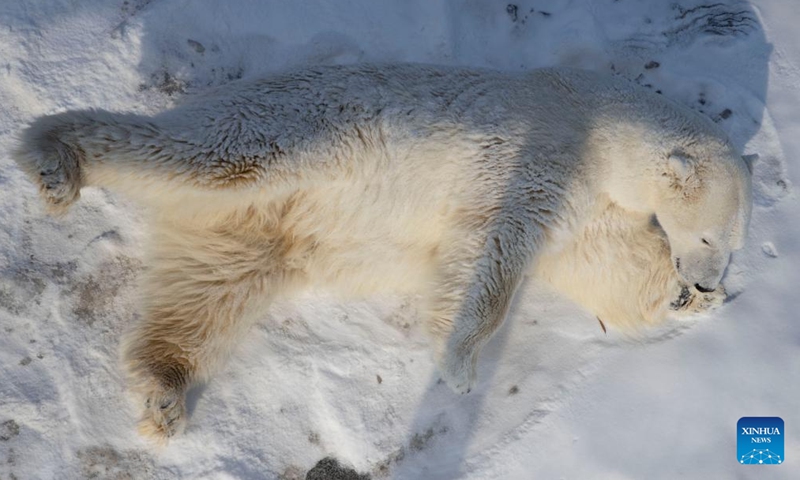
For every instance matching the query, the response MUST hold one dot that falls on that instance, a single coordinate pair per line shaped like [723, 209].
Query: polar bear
[453, 183]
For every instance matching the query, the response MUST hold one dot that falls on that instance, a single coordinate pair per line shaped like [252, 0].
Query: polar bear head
[704, 205]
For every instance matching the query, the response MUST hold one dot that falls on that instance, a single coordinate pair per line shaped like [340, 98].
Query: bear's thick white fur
[449, 182]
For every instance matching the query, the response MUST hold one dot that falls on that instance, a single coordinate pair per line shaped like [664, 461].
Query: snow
[557, 398]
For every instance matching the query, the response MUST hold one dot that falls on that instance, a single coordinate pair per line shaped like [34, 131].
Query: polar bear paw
[53, 162]
[59, 186]
[691, 301]
[457, 369]
[164, 415]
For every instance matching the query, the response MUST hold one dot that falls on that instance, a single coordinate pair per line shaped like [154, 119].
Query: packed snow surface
[353, 380]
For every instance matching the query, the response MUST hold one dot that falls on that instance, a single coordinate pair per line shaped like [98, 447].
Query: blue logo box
[760, 441]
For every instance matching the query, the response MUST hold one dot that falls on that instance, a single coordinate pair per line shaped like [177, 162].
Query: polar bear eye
[705, 242]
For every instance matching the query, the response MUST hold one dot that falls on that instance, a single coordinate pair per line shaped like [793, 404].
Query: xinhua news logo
[760, 441]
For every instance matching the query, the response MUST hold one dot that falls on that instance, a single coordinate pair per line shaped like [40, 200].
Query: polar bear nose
[703, 289]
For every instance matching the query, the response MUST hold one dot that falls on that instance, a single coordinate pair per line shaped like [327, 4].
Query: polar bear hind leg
[204, 290]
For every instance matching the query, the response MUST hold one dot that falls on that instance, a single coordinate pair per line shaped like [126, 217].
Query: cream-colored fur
[453, 183]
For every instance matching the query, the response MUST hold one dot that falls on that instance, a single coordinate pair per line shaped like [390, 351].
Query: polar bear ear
[750, 161]
[681, 167]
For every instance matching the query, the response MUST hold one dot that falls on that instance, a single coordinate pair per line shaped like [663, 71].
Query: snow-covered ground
[557, 398]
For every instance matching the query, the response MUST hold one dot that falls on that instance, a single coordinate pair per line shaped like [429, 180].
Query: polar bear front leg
[470, 300]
